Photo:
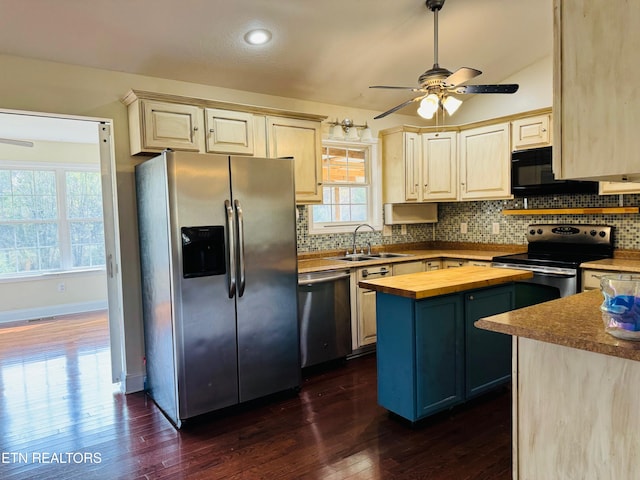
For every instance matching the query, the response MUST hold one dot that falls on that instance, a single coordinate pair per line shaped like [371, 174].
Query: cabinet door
[453, 263]
[439, 166]
[485, 163]
[488, 354]
[229, 131]
[596, 126]
[407, 267]
[170, 125]
[367, 317]
[591, 279]
[432, 265]
[531, 132]
[439, 344]
[301, 140]
[412, 179]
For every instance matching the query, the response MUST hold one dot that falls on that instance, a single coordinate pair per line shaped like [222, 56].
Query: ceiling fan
[437, 84]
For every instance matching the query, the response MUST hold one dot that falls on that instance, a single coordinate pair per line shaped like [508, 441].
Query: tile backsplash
[480, 217]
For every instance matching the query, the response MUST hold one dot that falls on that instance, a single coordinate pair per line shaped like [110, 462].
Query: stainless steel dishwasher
[324, 313]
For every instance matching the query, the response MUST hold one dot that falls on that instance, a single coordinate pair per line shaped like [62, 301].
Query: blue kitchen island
[430, 356]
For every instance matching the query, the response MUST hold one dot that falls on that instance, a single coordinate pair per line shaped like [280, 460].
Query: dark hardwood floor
[60, 418]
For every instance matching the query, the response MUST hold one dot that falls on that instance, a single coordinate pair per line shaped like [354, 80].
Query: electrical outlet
[463, 227]
[61, 287]
[403, 229]
[495, 228]
[386, 230]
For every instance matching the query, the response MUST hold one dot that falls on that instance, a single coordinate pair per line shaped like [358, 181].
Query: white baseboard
[133, 383]
[51, 311]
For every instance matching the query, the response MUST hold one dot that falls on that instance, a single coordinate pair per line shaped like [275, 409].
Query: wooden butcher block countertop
[442, 282]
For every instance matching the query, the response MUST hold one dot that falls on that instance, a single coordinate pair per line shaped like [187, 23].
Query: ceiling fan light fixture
[451, 104]
[428, 106]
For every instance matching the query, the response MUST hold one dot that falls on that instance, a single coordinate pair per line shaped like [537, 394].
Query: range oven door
[564, 279]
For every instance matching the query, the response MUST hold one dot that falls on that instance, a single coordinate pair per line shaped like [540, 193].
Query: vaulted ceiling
[328, 51]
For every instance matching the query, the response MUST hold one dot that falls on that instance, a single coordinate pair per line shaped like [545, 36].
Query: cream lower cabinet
[300, 139]
[366, 304]
[407, 267]
[454, 262]
[430, 265]
[485, 163]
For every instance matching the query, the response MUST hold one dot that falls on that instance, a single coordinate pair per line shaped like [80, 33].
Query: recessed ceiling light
[259, 36]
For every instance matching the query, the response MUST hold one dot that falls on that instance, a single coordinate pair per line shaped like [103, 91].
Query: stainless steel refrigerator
[219, 280]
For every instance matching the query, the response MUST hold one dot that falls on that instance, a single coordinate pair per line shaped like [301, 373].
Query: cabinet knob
[211, 130]
[544, 130]
[471, 297]
[195, 129]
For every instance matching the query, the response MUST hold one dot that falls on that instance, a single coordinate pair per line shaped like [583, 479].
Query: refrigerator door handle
[231, 278]
[240, 230]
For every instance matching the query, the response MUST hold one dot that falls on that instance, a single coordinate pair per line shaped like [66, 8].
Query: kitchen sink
[352, 258]
[371, 256]
[388, 255]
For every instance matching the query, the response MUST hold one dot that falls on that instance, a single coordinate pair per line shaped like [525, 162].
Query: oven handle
[558, 272]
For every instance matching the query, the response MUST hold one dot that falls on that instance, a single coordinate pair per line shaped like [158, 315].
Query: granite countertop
[442, 282]
[317, 263]
[614, 265]
[574, 321]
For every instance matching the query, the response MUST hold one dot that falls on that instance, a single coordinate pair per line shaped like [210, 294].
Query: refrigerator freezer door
[205, 315]
[268, 340]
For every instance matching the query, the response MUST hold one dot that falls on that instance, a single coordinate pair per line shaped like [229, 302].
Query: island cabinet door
[420, 355]
[488, 354]
[439, 343]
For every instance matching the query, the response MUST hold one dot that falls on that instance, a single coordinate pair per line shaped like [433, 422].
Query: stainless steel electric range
[555, 252]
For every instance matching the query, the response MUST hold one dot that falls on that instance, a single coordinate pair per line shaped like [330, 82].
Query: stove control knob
[593, 233]
[602, 234]
[539, 231]
[532, 232]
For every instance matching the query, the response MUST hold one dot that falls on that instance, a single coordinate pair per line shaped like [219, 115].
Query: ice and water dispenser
[203, 251]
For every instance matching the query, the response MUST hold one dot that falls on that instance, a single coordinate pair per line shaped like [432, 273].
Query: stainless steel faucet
[354, 237]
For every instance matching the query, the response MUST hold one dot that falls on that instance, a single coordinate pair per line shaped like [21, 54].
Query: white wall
[535, 91]
[57, 88]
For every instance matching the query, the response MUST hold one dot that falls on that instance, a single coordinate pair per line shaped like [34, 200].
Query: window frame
[374, 206]
[62, 220]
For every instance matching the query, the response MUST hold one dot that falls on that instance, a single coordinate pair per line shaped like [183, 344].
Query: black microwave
[531, 174]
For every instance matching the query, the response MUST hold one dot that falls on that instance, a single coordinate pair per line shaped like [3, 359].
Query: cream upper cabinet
[412, 159]
[596, 104]
[439, 166]
[531, 132]
[300, 139]
[419, 167]
[155, 126]
[401, 157]
[485, 162]
[228, 131]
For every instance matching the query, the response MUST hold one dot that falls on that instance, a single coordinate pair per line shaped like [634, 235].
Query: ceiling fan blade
[414, 89]
[19, 143]
[398, 107]
[463, 74]
[504, 88]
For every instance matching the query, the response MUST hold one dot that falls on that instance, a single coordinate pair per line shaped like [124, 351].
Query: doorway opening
[59, 247]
